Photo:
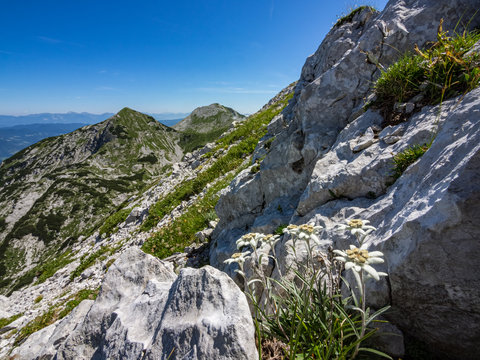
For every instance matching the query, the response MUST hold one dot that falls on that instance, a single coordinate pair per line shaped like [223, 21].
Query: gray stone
[204, 235]
[145, 311]
[365, 141]
[206, 317]
[134, 216]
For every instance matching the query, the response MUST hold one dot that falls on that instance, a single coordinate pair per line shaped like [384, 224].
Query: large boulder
[144, 310]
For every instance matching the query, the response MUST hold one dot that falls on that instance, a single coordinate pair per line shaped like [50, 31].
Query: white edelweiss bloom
[250, 239]
[357, 226]
[359, 259]
[271, 239]
[239, 258]
[291, 230]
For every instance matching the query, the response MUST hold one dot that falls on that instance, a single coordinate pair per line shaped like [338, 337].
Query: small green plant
[38, 299]
[405, 158]
[255, 168]
[109, 263]
[308, 314]
[349, 17]
[280, 228]
[436, 73]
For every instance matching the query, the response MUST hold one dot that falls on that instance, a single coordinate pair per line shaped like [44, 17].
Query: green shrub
[38, 299]
[3, 224]
[150, 158]
[438, 72]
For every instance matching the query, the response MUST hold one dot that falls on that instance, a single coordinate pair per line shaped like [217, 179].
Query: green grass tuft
[407, 157]
[349, 17]
[437, 73]
[6, 321]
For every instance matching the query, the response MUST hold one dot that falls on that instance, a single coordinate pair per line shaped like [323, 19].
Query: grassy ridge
[181, 232]
[248, 135]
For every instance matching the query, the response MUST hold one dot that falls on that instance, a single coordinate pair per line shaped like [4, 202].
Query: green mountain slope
[205, 124]
[64, 187]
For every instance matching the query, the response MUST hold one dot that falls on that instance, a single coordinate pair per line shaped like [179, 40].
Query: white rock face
[145, 311]
[332, 161]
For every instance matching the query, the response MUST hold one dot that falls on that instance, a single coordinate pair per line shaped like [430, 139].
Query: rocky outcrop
[332, 160]
[145, 311]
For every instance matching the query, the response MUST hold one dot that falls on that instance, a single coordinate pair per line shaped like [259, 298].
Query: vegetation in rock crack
[407, 157]
[181, 231]
[5, 321]
[438, 72]
[349, 17]
[308, 313]
[54, 313]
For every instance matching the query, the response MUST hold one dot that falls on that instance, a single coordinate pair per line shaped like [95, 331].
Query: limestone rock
[428, 217]
[145, 311]
[206, 317]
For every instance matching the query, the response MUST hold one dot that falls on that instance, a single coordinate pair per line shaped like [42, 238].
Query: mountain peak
[204, 119]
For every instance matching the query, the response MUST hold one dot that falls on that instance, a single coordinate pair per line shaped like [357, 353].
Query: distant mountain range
[18, 132]
[83, 118]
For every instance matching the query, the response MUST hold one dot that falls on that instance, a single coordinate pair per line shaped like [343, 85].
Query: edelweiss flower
[271, 239]
[357, 226]
[359, 259]
[251, 239]
[239, 258]
[305, 232]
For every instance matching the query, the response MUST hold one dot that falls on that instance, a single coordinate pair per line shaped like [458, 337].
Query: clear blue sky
[155, 56]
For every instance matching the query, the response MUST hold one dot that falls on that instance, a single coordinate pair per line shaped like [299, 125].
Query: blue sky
[155, 56]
